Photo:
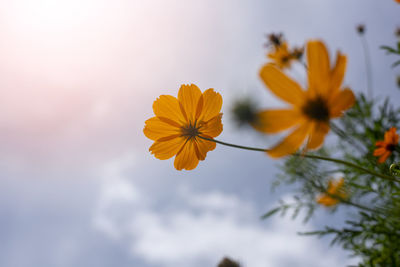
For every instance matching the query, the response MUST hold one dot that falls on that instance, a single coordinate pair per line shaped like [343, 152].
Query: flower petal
[342, 101]
[327, 200]
[379, 151]
[281, 56]
[167, 149]
[318, 68]
[155, 129]
[391, 137]
[189, 96]
[291, 143]
[384, 157]
[337, 73]
[203, 146]
[186, 157]
[212, 105]
[168, 106]
[317, 135]
[282, 86]
[276, 120]
[213, 127]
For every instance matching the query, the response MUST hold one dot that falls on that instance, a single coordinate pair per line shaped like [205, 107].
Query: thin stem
[233, 145]
[383, 176]
[349, 203]
[354, 166]
[367, 66]
[345, 201]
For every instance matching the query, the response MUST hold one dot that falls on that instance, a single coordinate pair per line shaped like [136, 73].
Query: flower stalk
[339, 161]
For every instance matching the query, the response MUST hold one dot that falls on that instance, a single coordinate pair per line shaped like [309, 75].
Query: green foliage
[393, 50]
[373, 233]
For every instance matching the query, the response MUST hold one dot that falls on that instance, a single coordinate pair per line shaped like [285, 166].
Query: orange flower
[310, 111]
[179, 122]
[333, 193]
[386, 147]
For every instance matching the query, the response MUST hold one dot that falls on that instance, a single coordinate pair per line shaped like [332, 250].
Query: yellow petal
[291, 143]
[282, 86]
[168, 106]
[340, 102]
[186, 157]
[317, 135]
[213, 127]
[337, 73]
[155, 129]
[212, 105]
[318, 68]
[281, 56]
[276, 120]
[202, 147]
[167, 149]
[327, 201]
[189, 96]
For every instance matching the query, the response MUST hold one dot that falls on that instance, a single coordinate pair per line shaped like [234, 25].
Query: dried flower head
[361, 29]
[274, 39]
[226, 262]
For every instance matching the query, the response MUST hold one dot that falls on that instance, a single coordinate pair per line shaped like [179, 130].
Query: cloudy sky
[78, 186]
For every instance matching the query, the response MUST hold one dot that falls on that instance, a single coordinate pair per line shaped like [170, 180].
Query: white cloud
[205, 228]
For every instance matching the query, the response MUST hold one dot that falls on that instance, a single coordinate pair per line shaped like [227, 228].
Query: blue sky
[78, 186]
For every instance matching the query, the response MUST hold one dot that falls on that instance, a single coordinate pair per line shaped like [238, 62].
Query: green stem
[233, 145]
[349, 203]
[352, 165]
[367, 66]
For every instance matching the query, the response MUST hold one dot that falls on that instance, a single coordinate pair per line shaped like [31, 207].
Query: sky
[78, 186]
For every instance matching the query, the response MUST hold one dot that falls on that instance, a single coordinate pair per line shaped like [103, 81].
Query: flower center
[285, 59]
[190, 131]
[316, 109]
[390, 147]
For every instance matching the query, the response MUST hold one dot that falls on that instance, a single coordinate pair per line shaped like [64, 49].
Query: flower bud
[244, 112]
[395, 169]
[361, 29]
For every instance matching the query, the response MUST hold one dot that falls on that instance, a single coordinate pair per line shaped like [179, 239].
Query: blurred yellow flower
[334, 193]
[281, 56]
[386, 147]
[310, 111]
[179, 121]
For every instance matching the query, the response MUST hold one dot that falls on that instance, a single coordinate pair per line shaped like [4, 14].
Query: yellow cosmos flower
[309, 111]
[335, 188]
[179, 121]
[281, 56]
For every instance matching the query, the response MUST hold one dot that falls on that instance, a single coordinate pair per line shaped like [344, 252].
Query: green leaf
[396, 64]
[388, 48]
[270, 213]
